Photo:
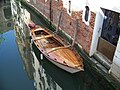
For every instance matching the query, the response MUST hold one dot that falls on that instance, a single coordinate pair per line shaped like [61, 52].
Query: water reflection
[12, 75]
[6, 22]
[46, 75]
[43, 81]
[49, 77]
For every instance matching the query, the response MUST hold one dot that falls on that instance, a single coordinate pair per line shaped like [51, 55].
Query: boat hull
[64, 67]
[56, 50]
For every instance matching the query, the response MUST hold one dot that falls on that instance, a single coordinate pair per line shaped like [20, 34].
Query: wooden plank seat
[38, 29]
[43, 37]
[56, 48]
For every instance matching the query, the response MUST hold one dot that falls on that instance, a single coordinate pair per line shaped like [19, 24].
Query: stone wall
[68, 22]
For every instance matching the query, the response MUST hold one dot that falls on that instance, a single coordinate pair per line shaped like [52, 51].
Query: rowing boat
[56, 50]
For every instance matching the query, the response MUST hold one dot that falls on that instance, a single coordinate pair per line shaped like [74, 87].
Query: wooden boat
[56, 50]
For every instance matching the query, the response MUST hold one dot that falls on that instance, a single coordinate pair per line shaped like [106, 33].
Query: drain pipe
[76, 31]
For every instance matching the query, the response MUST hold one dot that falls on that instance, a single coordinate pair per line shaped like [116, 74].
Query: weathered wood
[43, 37]
[56, 48]
[51, 12]
[59, 54]
[59, 21]
[75, 34]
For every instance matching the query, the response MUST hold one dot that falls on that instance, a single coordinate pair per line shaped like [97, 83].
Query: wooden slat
[38, 29]
[66, 56]
[56, 48]
[43, 37]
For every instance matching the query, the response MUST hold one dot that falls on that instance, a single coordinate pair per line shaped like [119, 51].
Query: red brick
[84, 35]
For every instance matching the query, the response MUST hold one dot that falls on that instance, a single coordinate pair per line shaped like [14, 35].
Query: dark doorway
[110, 34]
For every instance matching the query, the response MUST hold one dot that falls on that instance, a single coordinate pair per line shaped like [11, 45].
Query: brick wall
[84, 36]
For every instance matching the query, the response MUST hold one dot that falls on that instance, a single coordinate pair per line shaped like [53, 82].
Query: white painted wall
[77, 5]
[115, 67]
[97, 31]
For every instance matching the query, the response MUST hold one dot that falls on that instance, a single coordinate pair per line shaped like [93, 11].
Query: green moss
[1, 38]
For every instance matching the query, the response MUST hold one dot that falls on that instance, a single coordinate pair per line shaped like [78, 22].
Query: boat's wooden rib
[55, 50]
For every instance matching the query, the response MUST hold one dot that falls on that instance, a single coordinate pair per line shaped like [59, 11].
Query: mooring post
[76, 31]
[50, 12]
[59, 21]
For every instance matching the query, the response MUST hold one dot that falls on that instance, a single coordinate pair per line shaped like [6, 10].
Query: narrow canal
[20, 65]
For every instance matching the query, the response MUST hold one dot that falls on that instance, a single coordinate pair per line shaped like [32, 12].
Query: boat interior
[46, 40]
[50, 42]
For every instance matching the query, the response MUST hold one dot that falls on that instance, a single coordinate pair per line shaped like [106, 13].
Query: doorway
[110, 34]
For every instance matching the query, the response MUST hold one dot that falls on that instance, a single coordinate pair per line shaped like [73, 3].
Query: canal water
[21, 67]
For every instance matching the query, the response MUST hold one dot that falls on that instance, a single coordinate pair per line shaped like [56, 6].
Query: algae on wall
[1, 37]
[0, 34]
